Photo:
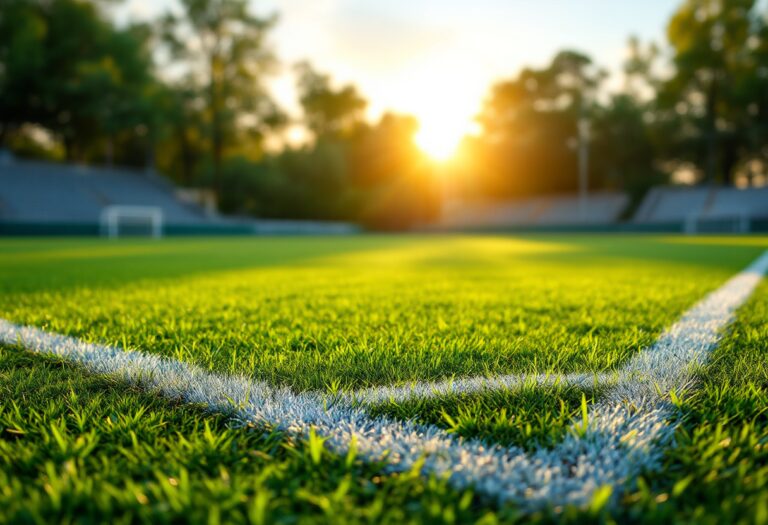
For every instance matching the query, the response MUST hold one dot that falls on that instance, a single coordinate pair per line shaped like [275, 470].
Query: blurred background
[332, 116]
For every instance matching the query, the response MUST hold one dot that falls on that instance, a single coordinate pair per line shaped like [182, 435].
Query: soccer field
[382, 378]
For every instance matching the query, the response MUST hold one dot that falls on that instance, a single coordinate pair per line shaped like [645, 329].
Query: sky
[436, 59]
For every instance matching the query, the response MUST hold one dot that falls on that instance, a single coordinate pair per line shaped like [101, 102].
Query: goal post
[120, 220]
[735, 222]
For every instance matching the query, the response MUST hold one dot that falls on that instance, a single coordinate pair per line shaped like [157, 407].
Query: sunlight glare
[443, 102]
[438, 138]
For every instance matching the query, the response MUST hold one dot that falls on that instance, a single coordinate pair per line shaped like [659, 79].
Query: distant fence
[20, 229]
[74, 229]
[752, 225]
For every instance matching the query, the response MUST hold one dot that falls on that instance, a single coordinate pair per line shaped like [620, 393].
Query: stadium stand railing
[43, 198]
[536, 212]
[706, 209]
[663, 210]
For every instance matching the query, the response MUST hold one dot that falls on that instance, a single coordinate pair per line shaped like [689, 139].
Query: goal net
[721, 223]
[121, 221]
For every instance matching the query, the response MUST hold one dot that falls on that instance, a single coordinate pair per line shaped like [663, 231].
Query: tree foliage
[351, 170]
[222, 46]
[718, 89]
[67, 69]
[187, 93]
[328, 112]
[530, 127]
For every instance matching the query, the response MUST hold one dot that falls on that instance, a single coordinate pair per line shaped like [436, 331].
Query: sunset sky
[436, 59]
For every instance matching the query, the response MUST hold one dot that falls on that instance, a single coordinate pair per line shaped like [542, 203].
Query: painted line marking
[626, 431]
[473, 385]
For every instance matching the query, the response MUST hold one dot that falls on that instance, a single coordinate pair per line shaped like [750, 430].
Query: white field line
[625, 432]
[470, 385]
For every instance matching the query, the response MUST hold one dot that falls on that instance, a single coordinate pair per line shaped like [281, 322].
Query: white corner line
[625, 433]
[472, 385]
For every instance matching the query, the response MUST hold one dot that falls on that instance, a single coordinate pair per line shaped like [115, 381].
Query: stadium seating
[674, 204]
[602, 208]
[39, 192]
[53, 199]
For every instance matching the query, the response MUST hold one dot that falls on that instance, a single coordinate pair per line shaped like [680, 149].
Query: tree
[355, 171]
[183, 138]
[22, 65]
[530, 126]
[328, 112]
[64, 67]
[714, 81]
[395, 180]
[223, 46]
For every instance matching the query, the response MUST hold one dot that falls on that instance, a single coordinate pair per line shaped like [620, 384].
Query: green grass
[355, 312]
[529, 417]
[316, 313]
[80, 448]
[718, 470]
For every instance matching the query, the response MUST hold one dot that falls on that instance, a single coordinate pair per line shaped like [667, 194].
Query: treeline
[351, 170]
[695, 109]
[186, 94]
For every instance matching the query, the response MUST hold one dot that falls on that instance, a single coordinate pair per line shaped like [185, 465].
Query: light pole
[583, 154]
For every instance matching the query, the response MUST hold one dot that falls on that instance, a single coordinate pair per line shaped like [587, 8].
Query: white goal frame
[109, 221]
[740, 222]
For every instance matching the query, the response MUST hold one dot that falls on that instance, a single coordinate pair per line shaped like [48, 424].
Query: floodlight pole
[583, 154]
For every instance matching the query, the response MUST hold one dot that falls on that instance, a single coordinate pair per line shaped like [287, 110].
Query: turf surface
[351, 312]
[355, 312]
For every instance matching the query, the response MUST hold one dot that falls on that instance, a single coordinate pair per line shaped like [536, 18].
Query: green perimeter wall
[19, 229]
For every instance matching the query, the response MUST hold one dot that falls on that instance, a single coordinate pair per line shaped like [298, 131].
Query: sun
[443, 103]
[439, 138]
[439, 143]
[442, 125]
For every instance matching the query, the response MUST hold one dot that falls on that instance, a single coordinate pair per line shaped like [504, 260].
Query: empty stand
[697, 204]
[602, 208]
[40, 198]
[39, 192]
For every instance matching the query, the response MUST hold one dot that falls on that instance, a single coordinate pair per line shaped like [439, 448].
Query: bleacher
[712, 203]
[670, 209]
[601, 208]
[47, 193]
[42, 198]
[46, 198]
